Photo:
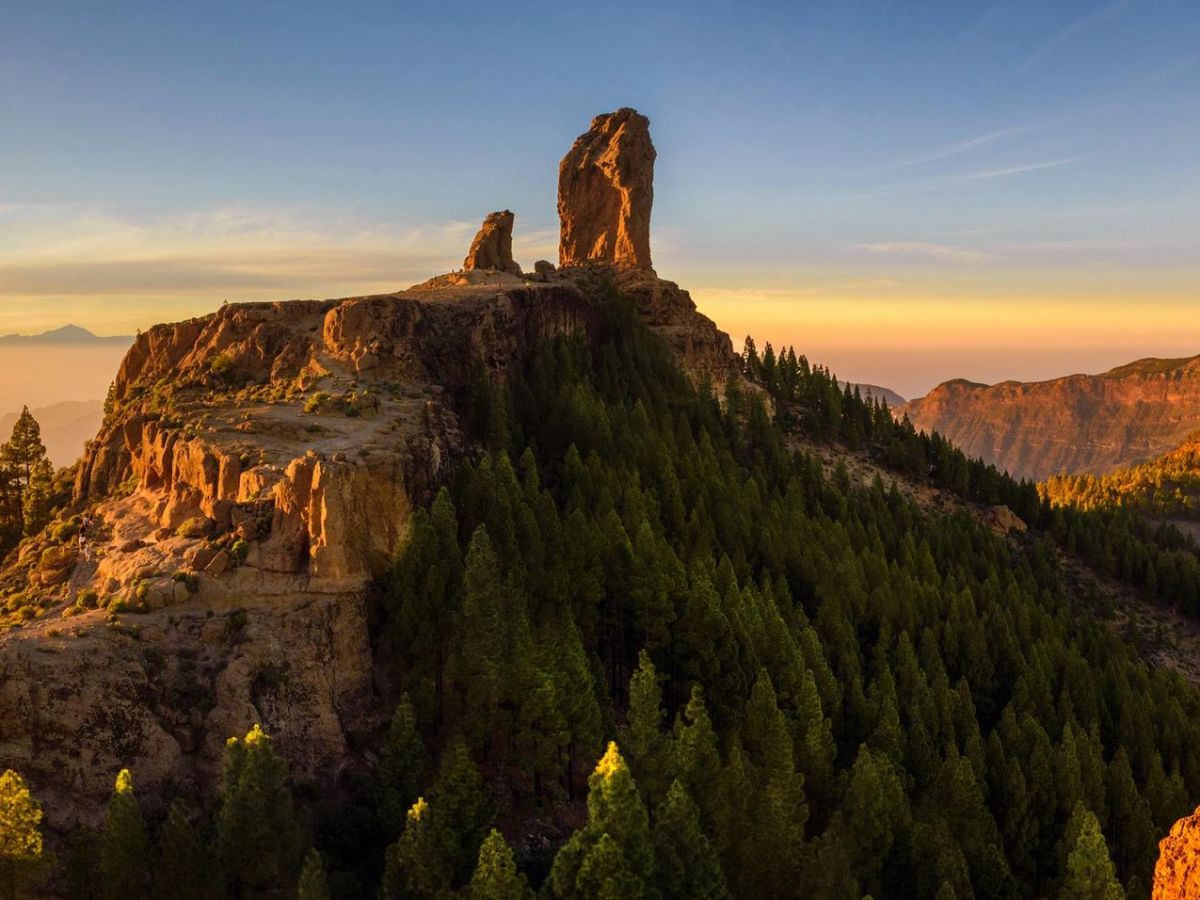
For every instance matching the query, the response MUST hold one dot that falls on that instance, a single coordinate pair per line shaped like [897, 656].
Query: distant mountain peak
[67, 334]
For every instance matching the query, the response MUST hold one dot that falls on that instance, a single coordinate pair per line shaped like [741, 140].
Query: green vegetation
[1168, 486]
[22, 854]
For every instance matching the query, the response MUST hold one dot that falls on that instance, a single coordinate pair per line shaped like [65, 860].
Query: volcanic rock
[492, 247]
[1177, 873]
[605, 191]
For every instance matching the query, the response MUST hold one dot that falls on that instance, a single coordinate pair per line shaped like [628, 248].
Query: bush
[195, 527]
[239, 550]
[221, 365]
[188, 580]
[316, 402]
[87, 599]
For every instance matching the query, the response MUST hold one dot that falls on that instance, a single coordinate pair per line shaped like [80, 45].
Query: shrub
[221, 365]
[316, 402]
[239, 550]
[188, 580]
[195, 527]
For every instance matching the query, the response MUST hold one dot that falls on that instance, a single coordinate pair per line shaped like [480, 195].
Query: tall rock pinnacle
[492, 247]
[605, 190]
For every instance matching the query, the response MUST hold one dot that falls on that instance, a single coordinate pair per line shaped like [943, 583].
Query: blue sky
[908, 191]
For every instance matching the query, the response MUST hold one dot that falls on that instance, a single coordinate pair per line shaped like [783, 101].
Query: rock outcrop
[1076, 424]
[255, 473]
[492, 247]
[1177, 873]
[605, 191]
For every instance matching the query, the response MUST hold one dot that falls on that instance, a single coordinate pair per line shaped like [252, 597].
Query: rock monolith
[605, 191]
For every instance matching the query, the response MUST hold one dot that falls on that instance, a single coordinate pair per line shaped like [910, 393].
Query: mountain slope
[1168, 486]
[1076, 424]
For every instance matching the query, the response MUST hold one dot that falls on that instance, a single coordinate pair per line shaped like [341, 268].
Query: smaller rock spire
[492, 247]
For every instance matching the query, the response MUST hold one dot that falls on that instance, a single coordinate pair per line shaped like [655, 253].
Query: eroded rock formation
[605, 191]
[492, 247]
[1177, 873]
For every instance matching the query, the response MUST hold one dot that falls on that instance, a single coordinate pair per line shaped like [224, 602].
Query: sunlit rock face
[1177, 874]
[1076, 424]
[605, 191]
[492, 247]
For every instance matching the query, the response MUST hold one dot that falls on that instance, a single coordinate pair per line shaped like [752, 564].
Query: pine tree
[688, 866]
[22, 855]
[258, 837]
[605, 874]
[874, 819]
[416, 866]
[26, 476]
[481, 658]
[1129, 825]
[644, 739]
[124, 848]
[614, 848]
[181, 870]
[461, 812]
[1091, 874]
[496, 876]
[697, 760]
[314, 884]
[403, 768]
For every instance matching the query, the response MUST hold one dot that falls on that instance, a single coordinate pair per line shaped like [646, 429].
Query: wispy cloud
[951, 150]
[1019, 169]
[949, 180]
[1066, 34]
[942, 252]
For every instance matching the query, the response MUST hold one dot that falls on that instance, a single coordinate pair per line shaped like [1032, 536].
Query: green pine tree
[1091, 874]
[22, 853]
[496, 876]
[258, 836]
[314, 884]
[124, 846]
[415, 865]
[182, 870]
[461, 811]
[614, 848]
[644, 738]
[688, 866]
[403, 768]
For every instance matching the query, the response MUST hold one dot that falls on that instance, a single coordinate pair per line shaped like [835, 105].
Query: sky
[906, 192]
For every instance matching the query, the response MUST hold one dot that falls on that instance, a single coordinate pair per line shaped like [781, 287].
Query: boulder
[605, 191]
[492, 247]
[543, 267]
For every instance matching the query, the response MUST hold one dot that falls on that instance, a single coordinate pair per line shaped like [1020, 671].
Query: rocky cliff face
[1081, 423]
[1177, 874]
[605, 190]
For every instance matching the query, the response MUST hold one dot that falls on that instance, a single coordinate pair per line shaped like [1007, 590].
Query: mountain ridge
[66, 334]
[1075, 423]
